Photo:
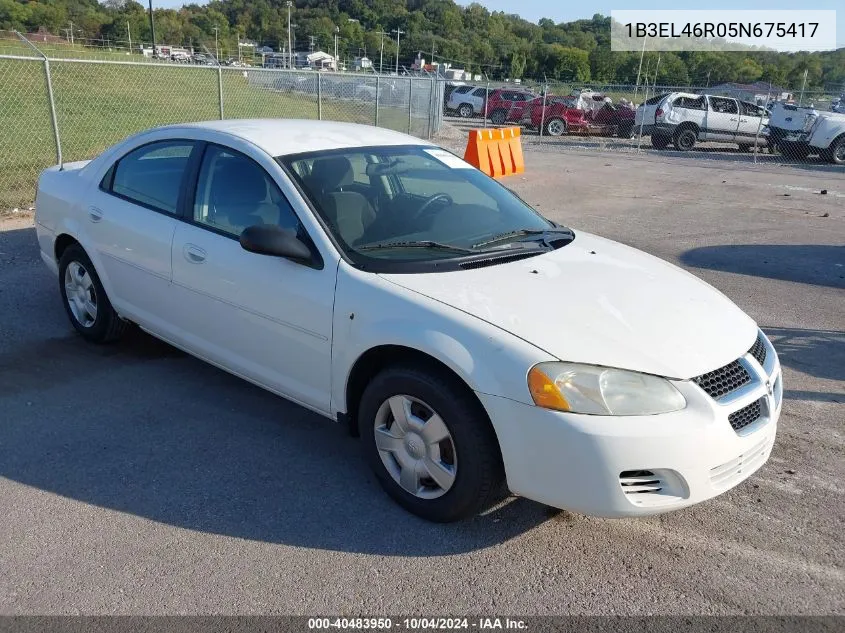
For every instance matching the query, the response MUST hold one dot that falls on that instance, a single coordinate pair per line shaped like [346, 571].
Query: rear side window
[690, 103]
[722, 105]
[655, 100]
[462, 89]
[152, 175]
[480, 92]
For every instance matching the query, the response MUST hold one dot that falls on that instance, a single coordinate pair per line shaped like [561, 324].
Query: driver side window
[234, 192]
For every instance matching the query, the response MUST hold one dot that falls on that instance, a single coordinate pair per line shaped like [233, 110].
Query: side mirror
[268, 239]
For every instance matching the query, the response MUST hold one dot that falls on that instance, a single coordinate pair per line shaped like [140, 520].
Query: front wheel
[836, 151]
[498, 117]
[87, 306]
[430, 444]
[556, 127]
[465, 110]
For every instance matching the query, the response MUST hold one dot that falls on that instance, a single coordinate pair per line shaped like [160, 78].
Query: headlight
[809, 120]
[601, 390]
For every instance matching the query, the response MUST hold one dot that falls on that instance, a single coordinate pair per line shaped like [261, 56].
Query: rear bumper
[638, 465]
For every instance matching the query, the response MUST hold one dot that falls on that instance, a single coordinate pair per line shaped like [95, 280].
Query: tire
[465, 110]
[79, 281]
[468, 461]
[836, 151]
[555, 127]
[659, 142]
[685, 139]
[498, 117]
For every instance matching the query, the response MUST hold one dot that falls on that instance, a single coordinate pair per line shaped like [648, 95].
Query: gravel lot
[136, 479]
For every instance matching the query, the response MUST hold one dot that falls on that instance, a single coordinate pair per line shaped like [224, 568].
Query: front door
[265, 318]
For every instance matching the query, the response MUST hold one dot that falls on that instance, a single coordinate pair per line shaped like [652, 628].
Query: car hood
[599, 302]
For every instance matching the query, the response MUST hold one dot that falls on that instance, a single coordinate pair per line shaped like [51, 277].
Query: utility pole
[71, 33]
[216, 46]
[290, 63]
[336, 31]
[238, 40]
[431, 61]
[381, 54]
[129, 35]
[398, 33]
[311, 39]
[153, 29]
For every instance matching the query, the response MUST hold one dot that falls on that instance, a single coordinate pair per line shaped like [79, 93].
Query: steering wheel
[443, 197]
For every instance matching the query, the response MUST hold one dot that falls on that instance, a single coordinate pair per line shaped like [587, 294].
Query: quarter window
[690, 103]
[234, 192]
[152, 175]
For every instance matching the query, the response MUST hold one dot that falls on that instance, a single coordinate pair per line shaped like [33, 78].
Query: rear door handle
[193, 253]
[95, 214]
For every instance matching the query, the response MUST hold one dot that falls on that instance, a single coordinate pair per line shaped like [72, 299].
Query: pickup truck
[789, 121]
[825, 136]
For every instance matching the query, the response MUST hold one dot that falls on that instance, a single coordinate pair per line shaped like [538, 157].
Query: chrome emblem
[769, 388]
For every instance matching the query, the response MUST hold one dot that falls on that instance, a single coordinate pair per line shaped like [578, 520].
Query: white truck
[787, 121]
[825, 136]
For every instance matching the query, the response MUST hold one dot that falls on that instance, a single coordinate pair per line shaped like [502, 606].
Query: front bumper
[637, 465]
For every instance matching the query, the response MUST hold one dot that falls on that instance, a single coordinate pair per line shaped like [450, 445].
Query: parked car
[824, 135]
[467, 102]
[684, 119]
[507, 105]
[560, 115]
[383, 282]
[789, 120]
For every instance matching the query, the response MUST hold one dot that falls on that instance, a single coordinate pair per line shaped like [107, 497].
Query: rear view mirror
[268, 239]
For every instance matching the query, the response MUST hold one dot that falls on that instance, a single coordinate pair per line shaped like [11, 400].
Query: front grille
[723, 381]
[758, 350]
[745, 416]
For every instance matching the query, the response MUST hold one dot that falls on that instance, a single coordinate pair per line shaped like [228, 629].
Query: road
[135, 479]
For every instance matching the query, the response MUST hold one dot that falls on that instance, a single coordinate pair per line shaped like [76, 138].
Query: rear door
[131, 218]
[722, 120]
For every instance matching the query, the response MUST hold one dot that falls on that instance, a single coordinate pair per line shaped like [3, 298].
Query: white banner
[694, 30]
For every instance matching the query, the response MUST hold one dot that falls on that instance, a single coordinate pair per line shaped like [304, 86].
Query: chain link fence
[60, 110]
[743, 123]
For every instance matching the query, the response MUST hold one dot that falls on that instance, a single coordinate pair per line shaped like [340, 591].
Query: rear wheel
[659, 142]
[555, 127]
[685, 139]
[498, 117]
[87, 306]
[430, 443]
[465, 110]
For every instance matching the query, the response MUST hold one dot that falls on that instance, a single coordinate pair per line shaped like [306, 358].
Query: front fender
[371, 312]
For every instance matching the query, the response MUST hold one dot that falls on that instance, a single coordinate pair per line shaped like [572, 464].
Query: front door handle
[193, 253]
[95, 214]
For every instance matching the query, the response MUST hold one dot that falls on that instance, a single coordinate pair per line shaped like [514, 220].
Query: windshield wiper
[520, 233]
[415, 244]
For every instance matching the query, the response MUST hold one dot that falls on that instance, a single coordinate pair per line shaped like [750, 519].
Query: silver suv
[684, 119]
[467, 101]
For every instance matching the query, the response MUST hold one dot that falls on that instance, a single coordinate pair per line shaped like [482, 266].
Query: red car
[507, 105]
[561, 116]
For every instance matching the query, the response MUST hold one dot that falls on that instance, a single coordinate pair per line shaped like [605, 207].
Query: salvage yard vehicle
[824, 135]
[383, 282]
[467, 102]
[684, 119]
[560, 115]
[507, 105]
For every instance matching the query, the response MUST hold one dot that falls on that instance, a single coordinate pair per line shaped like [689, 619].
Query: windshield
[414, 204]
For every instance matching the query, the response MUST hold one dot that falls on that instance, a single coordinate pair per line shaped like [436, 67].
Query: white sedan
[381, 281]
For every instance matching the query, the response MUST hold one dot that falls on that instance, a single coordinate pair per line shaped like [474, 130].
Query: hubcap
[81, 294]
[555, 128]
[839, 152]
[415, 446]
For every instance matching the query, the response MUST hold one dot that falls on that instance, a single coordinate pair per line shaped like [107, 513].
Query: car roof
[281, 137]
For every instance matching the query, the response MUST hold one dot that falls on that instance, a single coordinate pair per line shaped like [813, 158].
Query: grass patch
[100, 104]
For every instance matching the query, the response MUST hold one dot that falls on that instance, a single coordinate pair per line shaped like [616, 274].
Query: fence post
[759, 126]
[220, 89]
[484, 105]
[410, 102]
[52, 102]
[319, 96]
[543, 111]
[378, 89]
[430, 107]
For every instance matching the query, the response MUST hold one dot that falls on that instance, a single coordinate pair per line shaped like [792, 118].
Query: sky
[558, 11]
